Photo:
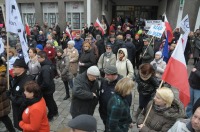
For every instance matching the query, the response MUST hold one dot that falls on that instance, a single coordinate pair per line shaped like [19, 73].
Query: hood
[46, 62]
[175, 111]
[125, 52]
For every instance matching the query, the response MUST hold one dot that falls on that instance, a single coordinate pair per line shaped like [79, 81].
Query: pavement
[64, 116]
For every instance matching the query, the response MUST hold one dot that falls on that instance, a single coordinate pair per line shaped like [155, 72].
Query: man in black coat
[17, 88]
[138, 45]
[85, 92]
[130, 49]
[107, 90]
[46, 83]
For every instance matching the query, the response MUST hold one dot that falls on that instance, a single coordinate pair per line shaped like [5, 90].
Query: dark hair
[32, 86]
[34, 50]
[146, 69]
[196, 105]
[42, 54]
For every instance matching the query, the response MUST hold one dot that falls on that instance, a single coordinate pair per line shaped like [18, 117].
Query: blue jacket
[78, 44]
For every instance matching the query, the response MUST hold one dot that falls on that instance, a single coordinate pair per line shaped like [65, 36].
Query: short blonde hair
[166, 94]
[124, 86]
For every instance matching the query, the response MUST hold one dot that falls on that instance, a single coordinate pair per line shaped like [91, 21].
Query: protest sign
[156, 30]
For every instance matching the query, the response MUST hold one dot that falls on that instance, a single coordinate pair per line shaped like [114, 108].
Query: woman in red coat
[34, 116]
[50, 51]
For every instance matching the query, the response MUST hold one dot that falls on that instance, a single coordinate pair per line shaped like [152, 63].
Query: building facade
[79, 12]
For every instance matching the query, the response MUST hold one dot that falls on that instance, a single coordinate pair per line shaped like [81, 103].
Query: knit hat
[110, 69]
[93, 70]
[166, 94]
[159, 53]
[2, 68]
[84, 123]
[71, 42]
[39, 46]
[20, 63]
[60, 50]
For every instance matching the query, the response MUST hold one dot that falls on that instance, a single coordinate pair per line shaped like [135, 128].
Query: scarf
[27, 102]
[160, 109]
[108, 54]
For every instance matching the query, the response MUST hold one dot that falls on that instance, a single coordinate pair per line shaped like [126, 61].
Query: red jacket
[34, 118]
[50, 53]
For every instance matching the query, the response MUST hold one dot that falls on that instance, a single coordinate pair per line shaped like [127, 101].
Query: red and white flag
[68, 33]
[176, 73]
[27, 27]
[97, 23]
[168, 29]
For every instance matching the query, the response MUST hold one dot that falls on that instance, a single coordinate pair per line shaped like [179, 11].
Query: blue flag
[165, 52]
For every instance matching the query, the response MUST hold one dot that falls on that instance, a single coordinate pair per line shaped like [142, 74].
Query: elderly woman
[124, 65]
[164, 113]
[87, 58]
[33, 110]
[33, 65]
[118, 109]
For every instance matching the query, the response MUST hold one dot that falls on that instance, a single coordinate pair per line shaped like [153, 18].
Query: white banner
[1, 46]
[23, 42]
[13, 17]
[185, 25]
[149, 23]
[156, 30]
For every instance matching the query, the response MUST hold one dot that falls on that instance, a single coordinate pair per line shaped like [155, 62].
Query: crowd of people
[99, 69]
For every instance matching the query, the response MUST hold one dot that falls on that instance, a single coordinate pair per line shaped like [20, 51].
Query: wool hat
[166, 94]
[159, 53]
[60, 50]
[71, 42]
[146, 39]
[2, 68]
[93, 70]
[20, 63]
[39, 46]
[83, 122]
[111, 69]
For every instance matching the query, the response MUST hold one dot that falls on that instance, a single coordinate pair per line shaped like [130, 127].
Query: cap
[110, 69]
[93, 70]
[20, 63]
[39, 46]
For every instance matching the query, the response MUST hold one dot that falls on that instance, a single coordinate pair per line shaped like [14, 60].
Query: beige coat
[73, 59]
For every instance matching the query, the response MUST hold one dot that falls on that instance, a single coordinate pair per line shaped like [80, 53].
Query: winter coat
[16, 96]
[88, 58]
[41, 39]
[106, 60]
[149, 54]
[101, 47]
[159, 67]
[117, 45]
[62, 67]
[131, 50]
[83, 101]
[147, 87]
[34, 66]
[181, 126]
[138, 45]
[73, 59]
[161, 120]
[4, 101]
[195, 77]
[51, 53]
[78, 44]
[124, 67]
[64, 42]
[95, 50]
[45, 77]
[34, 118]
[118, 111]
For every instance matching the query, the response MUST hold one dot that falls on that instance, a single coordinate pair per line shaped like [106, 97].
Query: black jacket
[45, 77]
[88, 58]
[117, 45]
[83, 101]
[138, 45]
[194, 79]
[131, 50]
[101, 47]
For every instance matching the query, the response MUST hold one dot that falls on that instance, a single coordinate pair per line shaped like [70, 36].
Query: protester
[87, 58]
[46, 83]
[92, 43]
[33, 110]
[78, 43]
[163, 114]
[62, 66]
[97, 32]
[139, 46]
[100, 45]
[84, 92]
[64, 40]
[83, 123]
[50, 51]
[191, 124]
[39, 48]
[131, 50]
[196, 48]
[15, 93]
[4, 101]
[53, 42]
[124, 66]
[147, 52]
[33, 65]
[147, 85]
[119, 118]
[41, 38]
[32, 42]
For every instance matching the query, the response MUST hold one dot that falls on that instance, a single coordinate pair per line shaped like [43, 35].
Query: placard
[156, 30]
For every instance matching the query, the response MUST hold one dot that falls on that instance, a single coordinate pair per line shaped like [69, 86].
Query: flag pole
[7, 48]
[151, 105]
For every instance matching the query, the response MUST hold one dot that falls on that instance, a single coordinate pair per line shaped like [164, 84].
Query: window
[30, 17]
[51, 18]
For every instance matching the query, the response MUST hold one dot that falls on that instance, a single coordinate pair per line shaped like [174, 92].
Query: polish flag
[176, 73]
[168, 29]
[68, 33]
[27, 27]
[97, 23]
